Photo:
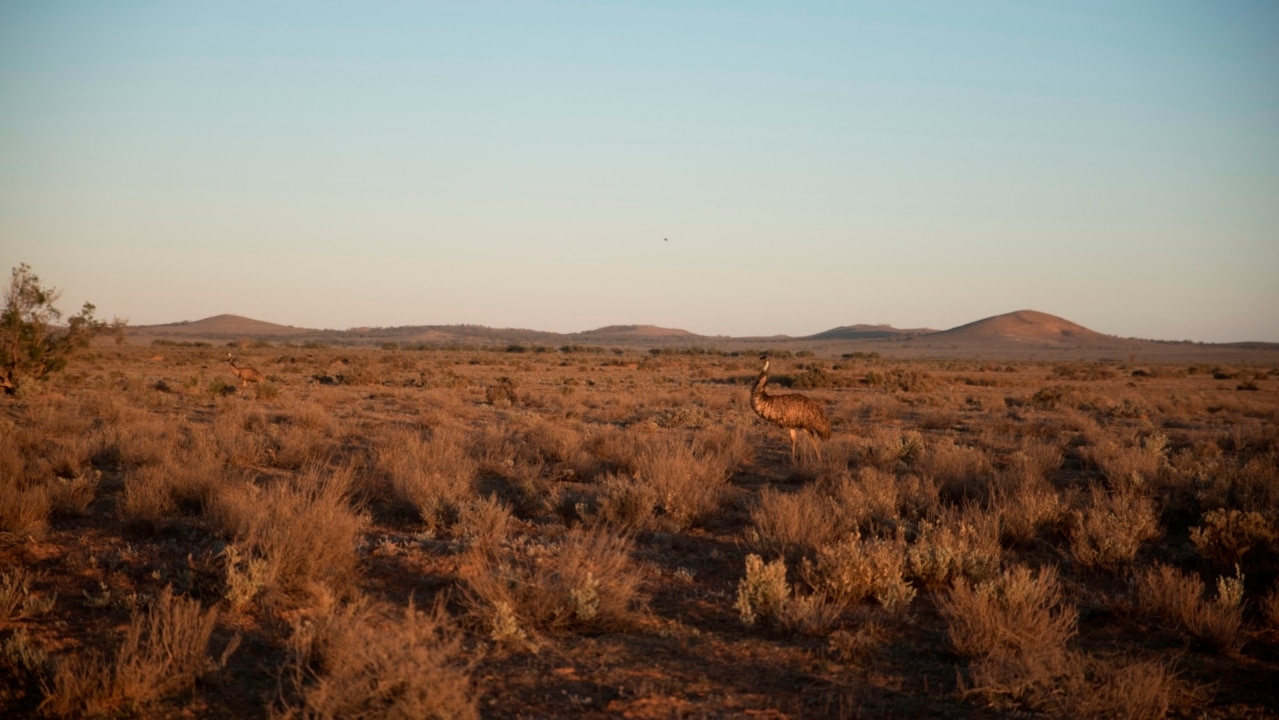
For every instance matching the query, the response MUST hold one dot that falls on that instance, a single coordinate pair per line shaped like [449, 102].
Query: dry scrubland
[489, 533]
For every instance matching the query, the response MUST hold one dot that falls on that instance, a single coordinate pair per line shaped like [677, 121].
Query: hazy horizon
[927, 329]
[738, 169]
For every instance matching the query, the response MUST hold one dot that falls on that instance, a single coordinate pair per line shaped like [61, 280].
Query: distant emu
[791, 411]
[246, 374]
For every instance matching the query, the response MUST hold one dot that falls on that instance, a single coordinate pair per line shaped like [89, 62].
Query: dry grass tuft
[627, 502]
[892, 450]
[147, 502]
[16, 596]
[241, 435]
[557, 446]
[961, 544]
[1129, 689]
[1014, 629]
[1178, 600]
[856, 646]
[585, 581]
[765, 597]
[858, 568]
[1023, 496]
[763, 593]
[793, 523]
[870, 500]
[1227, 535]
[900, 379]
[1018, 613]
[686, 479]
[1136, 463]
[814, 615]
[164, 651]
[1025, 510]
[1107, 533]
[485, 522]
[433, 474]
[353, 663]
[290, 536]
[24, 509]
[961, 471]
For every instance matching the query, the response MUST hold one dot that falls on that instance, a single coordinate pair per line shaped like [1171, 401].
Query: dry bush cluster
[1017, 629]
[614, 533]
[358, 661]
[585, 581]
[164, 650]
[1172, 597]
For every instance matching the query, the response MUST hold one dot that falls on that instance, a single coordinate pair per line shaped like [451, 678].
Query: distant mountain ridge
[1026, 333]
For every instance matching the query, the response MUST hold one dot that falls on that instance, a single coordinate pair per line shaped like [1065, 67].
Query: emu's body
[246, 374]
[791, 411]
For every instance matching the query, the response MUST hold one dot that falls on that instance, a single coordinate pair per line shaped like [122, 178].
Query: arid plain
[1017, 518]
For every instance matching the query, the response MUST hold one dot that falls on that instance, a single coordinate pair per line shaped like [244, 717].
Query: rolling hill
[1025, 334]
[222, 326]
[634, 332]
[1025, 327]
[864, 332]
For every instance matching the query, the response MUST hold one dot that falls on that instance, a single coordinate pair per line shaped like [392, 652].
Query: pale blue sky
[338, 164]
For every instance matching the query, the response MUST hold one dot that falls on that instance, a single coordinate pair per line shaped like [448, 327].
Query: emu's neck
[757, 392]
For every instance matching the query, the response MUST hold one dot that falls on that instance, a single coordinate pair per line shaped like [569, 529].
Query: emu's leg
[817, 448]
[792, 446]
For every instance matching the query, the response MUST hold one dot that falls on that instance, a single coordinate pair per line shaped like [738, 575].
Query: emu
[791, 411]
[246, 374]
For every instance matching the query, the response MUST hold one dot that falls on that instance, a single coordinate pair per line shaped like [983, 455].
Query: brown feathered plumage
[791, 411]
[246, 374]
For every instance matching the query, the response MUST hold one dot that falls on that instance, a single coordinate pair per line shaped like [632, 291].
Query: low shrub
[433, 473]
[1227, 535]
[24, 509]
[164, 651]
[688, 477]
[793, 523]
[763, 593]
[585, 581]
[1178, 600]
[961, 545]
[900, 380]
[626, 502]
[1014, 629]
[857, 568]
[292, 536]
[1107, 533]
[354, 663]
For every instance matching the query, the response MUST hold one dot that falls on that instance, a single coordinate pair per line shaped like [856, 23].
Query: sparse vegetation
[1016, 631]
[473, 531]
[164, 651]
[1176, 599]
[33, 342]
[1108, 531]
[356, 662]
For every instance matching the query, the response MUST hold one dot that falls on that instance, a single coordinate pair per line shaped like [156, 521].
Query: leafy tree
[33, 341]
